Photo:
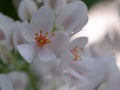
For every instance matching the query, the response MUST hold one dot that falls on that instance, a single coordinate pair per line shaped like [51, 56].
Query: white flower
[77, 46]
[72, 17]
[89, 69]
[48, 70]
[13, 35]
[5, 82]
[26, 9]
[5, 21]
[69, 1]
[113, 73]
[10, 32]
[69, 17]
[42, 41]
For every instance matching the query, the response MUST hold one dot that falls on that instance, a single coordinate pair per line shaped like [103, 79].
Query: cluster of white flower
[46, 34]
[49, 37]
[45, 50]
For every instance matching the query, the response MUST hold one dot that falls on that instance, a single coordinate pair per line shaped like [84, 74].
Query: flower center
[75, 51]
[43, 39]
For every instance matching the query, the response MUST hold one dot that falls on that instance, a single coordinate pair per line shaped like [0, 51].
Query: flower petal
[5, 19]
[5, 83]
[28, 51]
[17, 35]
[26, 9]
[66, 59]
[55, 5]
[75, 74]
[91, 68]
[19, 79]
[45, 54]
[9, 36]
[79, 42]
[60, 42]
[43, 19]
[13, 30]
[75, 78]
[28, 32]
[72, 17]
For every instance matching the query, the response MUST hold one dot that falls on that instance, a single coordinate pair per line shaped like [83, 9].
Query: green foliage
[7, 8]
[90, 2]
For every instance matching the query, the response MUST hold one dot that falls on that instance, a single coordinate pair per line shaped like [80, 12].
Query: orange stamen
[43, 39]
[75, 52]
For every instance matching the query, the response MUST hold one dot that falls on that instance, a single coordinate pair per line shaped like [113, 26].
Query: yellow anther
[41, 41]
[75, 52]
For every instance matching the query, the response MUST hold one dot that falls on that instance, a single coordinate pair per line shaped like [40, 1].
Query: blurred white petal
[45, 54]
[5, 82]
[28, 51]
[19, 80]
[43, 19]
[26, 9]
[72, 17]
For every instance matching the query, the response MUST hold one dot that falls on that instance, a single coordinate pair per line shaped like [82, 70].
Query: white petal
[91, 68]
[14, 29]
[5, 19]
[75, 78]
[28, 32]
[9, 37]
[59, 42]
[26, 9]
[17, 35]
[9, 34]
[43, 19]
[19, 79]
[79, 42]
[5, 22]
[75, 74]
[45, 54]
[72, 17]
[28, 51]
[66, 59]
[55, 5]
[5, 83]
